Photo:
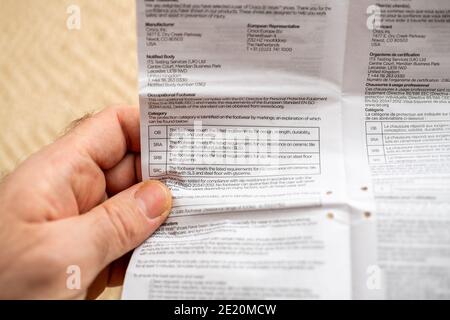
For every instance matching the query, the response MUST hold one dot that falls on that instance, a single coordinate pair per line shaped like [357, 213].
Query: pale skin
[78, 202]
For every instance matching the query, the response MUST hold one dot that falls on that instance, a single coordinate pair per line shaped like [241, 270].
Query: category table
[394, 142]
[215, 151]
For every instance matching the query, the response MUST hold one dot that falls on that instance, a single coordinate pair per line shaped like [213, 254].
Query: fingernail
[154, 199]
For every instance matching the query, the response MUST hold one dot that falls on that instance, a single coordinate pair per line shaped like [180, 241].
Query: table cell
[374, 127]
[157, 158]
[200, 146]
[251, 159]
[157, 170]
[375, 150]
[374, 140]
[241, 171]
[243, 133]
[157, 132]
[158, 145]
[377, 160]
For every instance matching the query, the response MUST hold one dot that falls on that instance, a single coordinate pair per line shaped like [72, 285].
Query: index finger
[107, 136]
[69, 175]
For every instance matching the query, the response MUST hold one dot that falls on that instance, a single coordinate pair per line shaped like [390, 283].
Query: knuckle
[76, 123]
[124, 225]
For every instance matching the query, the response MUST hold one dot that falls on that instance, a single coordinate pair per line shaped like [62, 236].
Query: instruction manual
[307, 146]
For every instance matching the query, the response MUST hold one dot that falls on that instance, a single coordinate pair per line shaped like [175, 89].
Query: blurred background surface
[50, 75]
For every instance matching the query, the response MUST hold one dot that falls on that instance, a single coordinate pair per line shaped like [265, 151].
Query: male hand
[77, 205]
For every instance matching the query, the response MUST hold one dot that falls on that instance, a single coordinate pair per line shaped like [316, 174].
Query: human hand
[55, 211]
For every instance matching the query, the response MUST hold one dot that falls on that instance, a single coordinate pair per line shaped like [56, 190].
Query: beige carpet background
[50, 76]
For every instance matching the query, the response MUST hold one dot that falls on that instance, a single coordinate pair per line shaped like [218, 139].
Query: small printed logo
[73, 21]
[73, 281]
[374, 19]
[374, 278]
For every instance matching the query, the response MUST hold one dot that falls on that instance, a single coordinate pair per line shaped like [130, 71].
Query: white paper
[292, 176]
[396, 119]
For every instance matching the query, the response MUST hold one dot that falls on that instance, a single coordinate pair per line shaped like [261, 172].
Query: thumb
[124, 221]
